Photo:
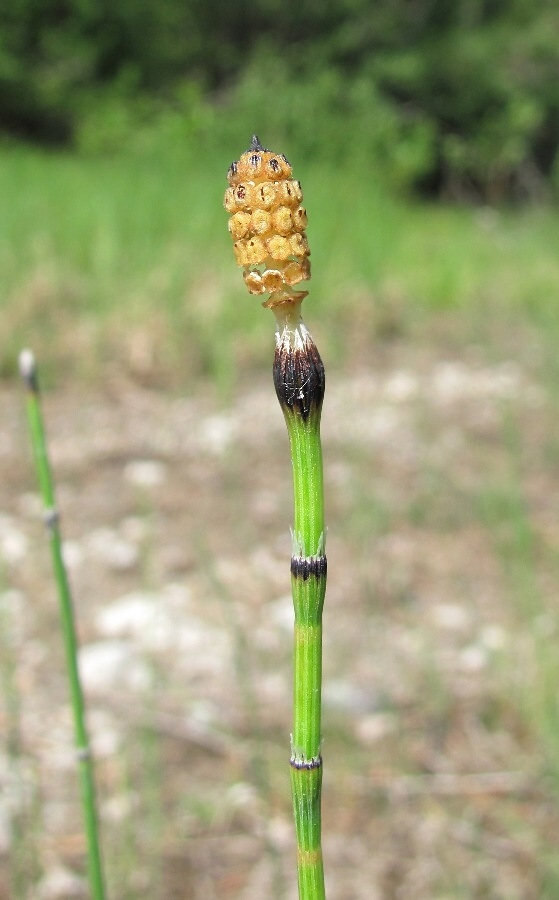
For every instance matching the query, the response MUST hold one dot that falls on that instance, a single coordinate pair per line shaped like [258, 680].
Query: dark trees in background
[480, 77]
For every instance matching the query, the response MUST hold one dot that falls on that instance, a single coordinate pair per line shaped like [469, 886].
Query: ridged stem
[299, 383]
[83, 751]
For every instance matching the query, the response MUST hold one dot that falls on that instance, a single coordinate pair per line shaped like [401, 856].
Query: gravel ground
[176, 513]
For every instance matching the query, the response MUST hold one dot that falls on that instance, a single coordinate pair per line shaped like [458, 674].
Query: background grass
[113, 261]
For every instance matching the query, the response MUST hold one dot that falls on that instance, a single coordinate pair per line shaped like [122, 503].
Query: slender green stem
[84, 757]
[299, 382]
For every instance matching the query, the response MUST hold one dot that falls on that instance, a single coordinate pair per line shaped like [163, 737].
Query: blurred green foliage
[122, 263]
[446, 96]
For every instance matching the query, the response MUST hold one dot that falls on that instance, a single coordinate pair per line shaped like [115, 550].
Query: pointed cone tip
[255, 143]
[27, 365]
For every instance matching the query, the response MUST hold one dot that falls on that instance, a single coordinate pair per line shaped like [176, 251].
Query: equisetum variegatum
[267, 224]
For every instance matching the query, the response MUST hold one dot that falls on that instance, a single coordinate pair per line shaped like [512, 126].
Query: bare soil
[175, 513]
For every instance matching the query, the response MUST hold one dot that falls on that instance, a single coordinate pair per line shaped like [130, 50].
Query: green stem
[83, 751]
[299, 382]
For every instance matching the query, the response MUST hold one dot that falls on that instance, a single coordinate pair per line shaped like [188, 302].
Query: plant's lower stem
[299, 382]
[83, 751]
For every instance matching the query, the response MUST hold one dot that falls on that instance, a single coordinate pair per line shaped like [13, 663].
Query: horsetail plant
[268, 225]
[28, 371]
